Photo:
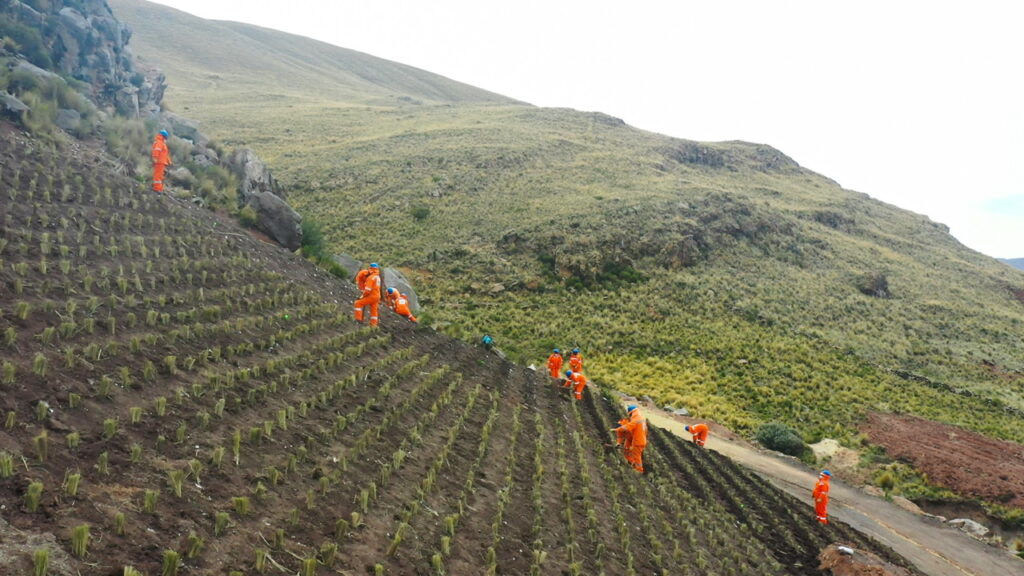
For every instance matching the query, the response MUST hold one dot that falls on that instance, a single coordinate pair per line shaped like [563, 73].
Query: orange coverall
[576, 362]
[579, 382]
[820, 495]
[632, 435]
[555, 365]
[400, 305]
[371, 297]
[161, 160]
[700, 433]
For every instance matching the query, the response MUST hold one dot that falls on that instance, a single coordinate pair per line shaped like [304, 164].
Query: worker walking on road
[700, 433]
[555, 364]
[632, 436]
[576, 361]
[399, 304]
[370, 286]
[578, 382]
[161, 156]
[820, 496]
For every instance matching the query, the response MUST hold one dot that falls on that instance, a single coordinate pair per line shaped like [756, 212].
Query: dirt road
[935, 548]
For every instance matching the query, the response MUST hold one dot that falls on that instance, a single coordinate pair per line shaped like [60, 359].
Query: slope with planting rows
[180, 397]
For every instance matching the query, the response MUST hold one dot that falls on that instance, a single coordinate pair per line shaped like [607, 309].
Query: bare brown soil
[963, 461]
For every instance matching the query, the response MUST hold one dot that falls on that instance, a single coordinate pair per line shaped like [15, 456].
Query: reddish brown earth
[963, 461]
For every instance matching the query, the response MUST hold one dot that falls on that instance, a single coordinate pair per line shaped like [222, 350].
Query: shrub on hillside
[781, 438]
[248, 217]
[314, 249]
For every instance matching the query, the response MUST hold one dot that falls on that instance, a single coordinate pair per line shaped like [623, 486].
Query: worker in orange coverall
[399, 304]
[161, 156]
[576, 361]
[700, 433]
[555, 364]
[632, 436]
[820, 495]
[371, 295]
[578, 382]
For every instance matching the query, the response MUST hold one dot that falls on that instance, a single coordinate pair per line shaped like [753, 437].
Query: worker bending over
[820, 496]
[700, 433]
[399, 304]
[555, 364]
[632, 436]
[578, 382]
[369, 283]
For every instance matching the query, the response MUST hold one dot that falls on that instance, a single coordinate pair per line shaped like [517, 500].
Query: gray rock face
[350, 264]
[970, 526]
[277, 219]
[10, 104]
[184, 128]
[253, 174]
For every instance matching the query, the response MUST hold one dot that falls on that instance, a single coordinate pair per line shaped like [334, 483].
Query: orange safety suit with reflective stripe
[371, 298]
[400, 305]
[555, 365]
[161, 157]
[578, 382]
[632, 434]
[820, 496]
[576, 362]
[700, 433]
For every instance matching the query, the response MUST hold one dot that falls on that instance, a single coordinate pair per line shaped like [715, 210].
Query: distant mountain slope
[1017, 263]
[271, 65]
[718, 276]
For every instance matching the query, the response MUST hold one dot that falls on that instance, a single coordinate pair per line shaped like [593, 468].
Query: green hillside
[722, 277]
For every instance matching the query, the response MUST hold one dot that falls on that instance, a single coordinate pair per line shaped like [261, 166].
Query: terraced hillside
[183, 398]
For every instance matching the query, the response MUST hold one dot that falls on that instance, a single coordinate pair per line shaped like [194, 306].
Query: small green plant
[73, 440]
[42, 410]
[39, 364]
[176, 478]
[241, 504]
[41, 443]
[171, 564]
[220, 523]
[131, 571]
[33, 494]
[103, 463]
[135, 414]
[109, 428]
[195, 545]
[6, 465]
[80, 540]
[119, 527]
[71, 484]
[149, 498]
[161, 406]
[41, 562]
[261, 560]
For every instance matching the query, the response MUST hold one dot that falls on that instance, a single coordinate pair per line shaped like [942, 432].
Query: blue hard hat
[575, 350]
[164, 133]
[568, 373]
[391, 290]
[374, 265]
[630, 408]
[687, 428]
[826, 473]
[557, 351]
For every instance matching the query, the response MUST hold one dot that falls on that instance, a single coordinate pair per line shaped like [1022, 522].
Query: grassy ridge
[668, 261]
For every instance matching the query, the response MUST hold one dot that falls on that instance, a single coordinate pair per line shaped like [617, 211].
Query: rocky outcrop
[277, 219]
[253, 174]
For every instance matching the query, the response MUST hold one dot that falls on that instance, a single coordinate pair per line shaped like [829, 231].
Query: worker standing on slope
[555, 364]
[700, 433]
[632, 436]
[371, 295]
[578, 382]
[576, 361]
[820, 496]
[161, 156]
[399, 304]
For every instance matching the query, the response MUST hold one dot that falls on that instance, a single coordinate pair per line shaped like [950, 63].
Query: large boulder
[253, 174]
[11, 106]
[68, 119]
[185, 128]
[277, 219]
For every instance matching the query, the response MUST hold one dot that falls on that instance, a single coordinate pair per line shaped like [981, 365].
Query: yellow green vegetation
[722, 277]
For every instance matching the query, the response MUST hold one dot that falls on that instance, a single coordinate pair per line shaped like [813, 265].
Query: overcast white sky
[919, 104]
